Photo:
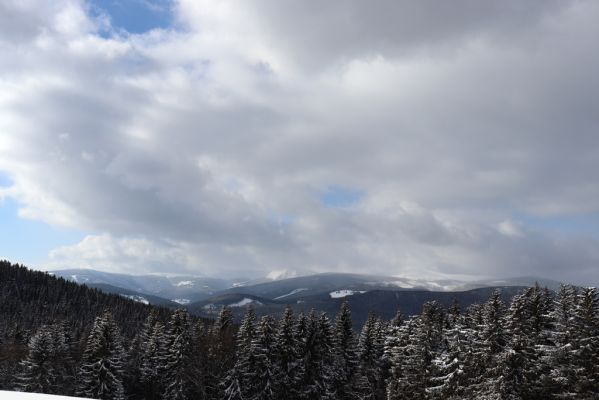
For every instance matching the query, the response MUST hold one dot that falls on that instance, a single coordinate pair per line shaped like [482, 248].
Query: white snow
[76, 278]
[277, 275]
[337, 294]
[184, 283]
[137, 298]
[244, 302]
[294, 291]
[181, 301]
[210, 307]
[33, 396]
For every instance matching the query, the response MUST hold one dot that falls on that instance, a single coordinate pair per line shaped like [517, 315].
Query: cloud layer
[208, 147]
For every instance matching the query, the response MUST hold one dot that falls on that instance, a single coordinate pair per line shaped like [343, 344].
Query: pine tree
[345, 353]
[153, 359]
[240, 382]
[562, 356]
[371, 347]
[263, 347]
[408, 369]
[38, 369]
[518, 358]
[64, 365]
[221, 354]
[586, 362]
[179, 372]
[288, 368]
[101, 372]
[453, 365]
[488, 343]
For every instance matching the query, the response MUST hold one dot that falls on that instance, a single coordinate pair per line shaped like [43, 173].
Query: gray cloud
[205, 149]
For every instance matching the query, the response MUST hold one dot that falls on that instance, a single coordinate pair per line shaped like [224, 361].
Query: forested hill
[29, 299]
[61, 338]
[32, 299]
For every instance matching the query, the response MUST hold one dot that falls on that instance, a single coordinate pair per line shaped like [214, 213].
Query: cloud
[207, 147]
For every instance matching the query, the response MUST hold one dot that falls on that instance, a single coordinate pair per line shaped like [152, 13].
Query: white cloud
[188, 146]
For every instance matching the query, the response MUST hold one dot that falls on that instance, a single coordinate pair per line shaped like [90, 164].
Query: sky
[418, 139]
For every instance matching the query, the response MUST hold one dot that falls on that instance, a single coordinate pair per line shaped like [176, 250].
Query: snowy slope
[32, 396]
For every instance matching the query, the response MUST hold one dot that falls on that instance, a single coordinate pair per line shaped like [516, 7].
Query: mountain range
[384, 295]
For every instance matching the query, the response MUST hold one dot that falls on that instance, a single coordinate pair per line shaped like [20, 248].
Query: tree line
[542, 345]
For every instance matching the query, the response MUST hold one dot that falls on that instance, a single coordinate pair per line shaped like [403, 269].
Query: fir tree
[345, 352]
[586, 362]
[288, 368]
[179, 372]
[38, 369]
[153, 359]
[562, 355]
[240, 382]
[101, 372]
[263, 348]
[371, 345]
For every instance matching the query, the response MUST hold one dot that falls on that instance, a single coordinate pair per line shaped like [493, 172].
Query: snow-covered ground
[184, 283]
[294, 291]
[135, 297]
[32, 396]
[182, 301]
[244, 302]
[337, 294]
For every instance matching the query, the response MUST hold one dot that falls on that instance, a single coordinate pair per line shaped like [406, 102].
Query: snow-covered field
[290, 293]
[135, 297]
[245, 302]
[337, 294]
[32, 396]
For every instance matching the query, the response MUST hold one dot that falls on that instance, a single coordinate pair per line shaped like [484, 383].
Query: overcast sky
[423, 139]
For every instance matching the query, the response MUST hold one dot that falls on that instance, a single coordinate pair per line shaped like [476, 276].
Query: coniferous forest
[62, 338]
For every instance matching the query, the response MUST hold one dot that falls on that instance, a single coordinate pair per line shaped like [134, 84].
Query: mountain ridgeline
[62, 338]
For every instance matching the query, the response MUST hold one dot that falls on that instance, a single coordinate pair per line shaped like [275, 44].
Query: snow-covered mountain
[179, 288]
[175, 290]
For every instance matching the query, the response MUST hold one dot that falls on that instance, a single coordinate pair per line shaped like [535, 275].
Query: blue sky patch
[5, 181]
[586, 224]
[135, 16]
[28, 241]
[340, 197]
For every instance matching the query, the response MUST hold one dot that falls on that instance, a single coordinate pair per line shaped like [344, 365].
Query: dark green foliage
[101, 373]
[538, 347]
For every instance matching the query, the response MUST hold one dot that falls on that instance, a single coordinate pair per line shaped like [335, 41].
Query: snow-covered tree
[241, 381]
[153, 360]
[371, 347]
[586, 361]
[38, 372]
[179, 371]
[346, 355]
[263, 347]
[101, 372]
[562, 354]
[288, 368]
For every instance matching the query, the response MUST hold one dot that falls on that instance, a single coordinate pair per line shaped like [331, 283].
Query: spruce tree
[288, 366]
[488, 343]
[38, 373]
[263, 347]
[586, 362]
[562, 356]
[345, 351]
[240, 383]
[179, 371]
[153, 360]
[101, 372]
[371, 347]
